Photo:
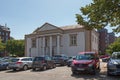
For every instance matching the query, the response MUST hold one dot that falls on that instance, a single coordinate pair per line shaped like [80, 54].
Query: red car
[86, 62]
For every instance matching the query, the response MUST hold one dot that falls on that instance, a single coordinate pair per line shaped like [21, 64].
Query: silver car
[21, 63]
[113, 65]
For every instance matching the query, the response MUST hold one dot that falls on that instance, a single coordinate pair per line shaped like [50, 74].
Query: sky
[24, 16]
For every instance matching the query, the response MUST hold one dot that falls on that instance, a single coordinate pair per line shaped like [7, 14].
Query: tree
[114, 47]
[15, 47]
[99, 14]
[2, 46]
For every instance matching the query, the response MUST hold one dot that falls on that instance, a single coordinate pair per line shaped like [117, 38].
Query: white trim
[58, 44]
[48, 34]
[50, 45]
[43, 46]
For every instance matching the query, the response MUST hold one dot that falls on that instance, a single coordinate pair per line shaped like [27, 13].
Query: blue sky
[24, 16]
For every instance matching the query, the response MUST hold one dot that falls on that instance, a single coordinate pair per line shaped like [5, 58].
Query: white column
[37, 47]
[50, 45]
[58, 44]
[43, 46]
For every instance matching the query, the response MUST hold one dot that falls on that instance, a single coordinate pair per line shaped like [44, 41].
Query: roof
[4, 28]
[71, 27]
[90, 52]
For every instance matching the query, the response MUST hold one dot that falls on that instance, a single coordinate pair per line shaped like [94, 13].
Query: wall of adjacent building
[94, 41]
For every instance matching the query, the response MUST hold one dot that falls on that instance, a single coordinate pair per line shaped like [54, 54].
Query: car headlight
[114, 62]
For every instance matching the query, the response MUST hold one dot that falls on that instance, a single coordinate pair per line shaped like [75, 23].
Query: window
[33, 43]
[6, 34]
[73, 39]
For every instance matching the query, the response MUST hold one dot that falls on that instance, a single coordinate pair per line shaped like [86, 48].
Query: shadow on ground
[99, 76]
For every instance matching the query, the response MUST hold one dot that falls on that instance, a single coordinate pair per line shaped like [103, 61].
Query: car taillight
[43, 61]
[72, 64]
[18, 62]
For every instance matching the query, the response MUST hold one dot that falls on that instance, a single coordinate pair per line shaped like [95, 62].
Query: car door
[48, 59]
[29, 62]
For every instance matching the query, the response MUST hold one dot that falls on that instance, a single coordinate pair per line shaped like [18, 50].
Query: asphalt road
[59, 73]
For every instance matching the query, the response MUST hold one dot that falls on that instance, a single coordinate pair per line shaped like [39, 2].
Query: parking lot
[59, 73]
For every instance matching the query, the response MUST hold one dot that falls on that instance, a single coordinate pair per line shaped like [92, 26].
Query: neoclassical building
[69, 40]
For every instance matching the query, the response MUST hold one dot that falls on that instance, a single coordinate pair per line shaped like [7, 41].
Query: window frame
[73, 39]
[33, 43]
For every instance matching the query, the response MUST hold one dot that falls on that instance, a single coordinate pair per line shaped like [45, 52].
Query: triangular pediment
[47, 27]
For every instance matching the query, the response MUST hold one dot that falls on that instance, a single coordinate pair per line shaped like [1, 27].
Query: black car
[43, 63]
[113, 65]
[60, 59]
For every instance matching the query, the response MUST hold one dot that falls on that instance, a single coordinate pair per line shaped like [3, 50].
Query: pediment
[47, 28]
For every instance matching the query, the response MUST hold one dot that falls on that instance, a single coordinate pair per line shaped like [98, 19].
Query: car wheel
[94, 71]
[44, 68]
[54, 66]
[108, 74]
[74, 73]
[25, 67]
[33, 69]
[14, 69]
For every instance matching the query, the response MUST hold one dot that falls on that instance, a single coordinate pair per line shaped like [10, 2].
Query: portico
[50, 44]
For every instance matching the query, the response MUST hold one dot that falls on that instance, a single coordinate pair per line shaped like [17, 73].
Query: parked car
[113, 65]
[69, 61]
[105, 58]
[86, 62]
[43, 63]
[4, 64]
[60, 59]
[21, 63]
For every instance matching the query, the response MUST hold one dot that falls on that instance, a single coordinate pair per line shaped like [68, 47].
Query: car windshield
[116, 56]
[14, 60]
[39, 58]
[85, 57]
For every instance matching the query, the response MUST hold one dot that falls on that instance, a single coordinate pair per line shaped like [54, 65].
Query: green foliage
[114, 47]
[15, 47]
[2, 46]
[99, 14]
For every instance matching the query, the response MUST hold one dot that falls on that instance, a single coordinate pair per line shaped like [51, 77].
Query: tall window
[33, 43]
[73, 39]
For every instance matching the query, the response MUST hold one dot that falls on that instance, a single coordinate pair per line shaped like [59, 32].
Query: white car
[21, 63]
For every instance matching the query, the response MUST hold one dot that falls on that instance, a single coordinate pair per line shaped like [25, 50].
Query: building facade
[4, 36]
[111, 37]
[105, 39]
[4, 33]
[69, 40]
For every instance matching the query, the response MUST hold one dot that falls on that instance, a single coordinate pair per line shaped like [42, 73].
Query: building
[4, 36]
[69, 40]
[4, 33]
[111, 37]
[105, 39]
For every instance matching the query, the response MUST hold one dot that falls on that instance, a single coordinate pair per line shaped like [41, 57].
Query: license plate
[81, 69]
